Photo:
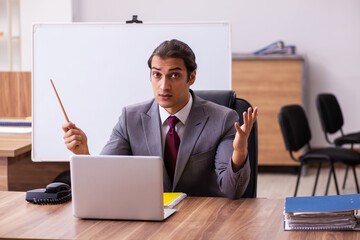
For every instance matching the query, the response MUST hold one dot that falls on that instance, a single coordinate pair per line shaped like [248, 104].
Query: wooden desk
[17, 171]
[196, 218]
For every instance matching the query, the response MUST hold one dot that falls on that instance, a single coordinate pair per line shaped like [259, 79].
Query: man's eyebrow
[176, 68]
[171, 69]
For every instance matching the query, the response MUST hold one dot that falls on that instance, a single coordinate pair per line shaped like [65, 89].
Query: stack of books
[277, 47]
[15, 125]
[338, 212]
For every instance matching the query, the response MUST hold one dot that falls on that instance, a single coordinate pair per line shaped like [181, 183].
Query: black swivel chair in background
[228, 98]
[332, 121]
[296, 133]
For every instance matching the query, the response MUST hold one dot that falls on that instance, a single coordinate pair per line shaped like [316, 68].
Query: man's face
[170, 83]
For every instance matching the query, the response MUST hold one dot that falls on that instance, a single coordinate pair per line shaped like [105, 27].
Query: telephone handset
[54, 193]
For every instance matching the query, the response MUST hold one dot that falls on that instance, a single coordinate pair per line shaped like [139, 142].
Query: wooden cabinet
[15, 97]
[269, 82]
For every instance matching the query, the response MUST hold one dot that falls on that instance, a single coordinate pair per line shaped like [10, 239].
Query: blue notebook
[323, 203]
[339, 212]
[28, 124]
[22, 122]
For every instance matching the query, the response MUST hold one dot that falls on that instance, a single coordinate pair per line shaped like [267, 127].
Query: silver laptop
[118, 187]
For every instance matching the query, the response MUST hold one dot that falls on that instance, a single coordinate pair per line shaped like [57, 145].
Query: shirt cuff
[242, 168]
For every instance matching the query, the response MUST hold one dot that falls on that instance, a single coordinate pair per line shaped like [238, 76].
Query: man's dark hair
[176, 49]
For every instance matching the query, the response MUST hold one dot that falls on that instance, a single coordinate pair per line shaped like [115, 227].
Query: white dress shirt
[182, 115]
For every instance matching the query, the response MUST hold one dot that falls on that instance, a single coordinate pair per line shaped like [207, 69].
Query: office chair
[228, 98]
[331, 119]
[296, 133]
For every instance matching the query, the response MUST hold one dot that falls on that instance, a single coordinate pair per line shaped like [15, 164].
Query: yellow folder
[173, 198]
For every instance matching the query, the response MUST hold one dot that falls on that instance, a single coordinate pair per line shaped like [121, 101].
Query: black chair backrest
[222, 97]
[294, 127]
[330, 114]
[228, 98]
[242, 105]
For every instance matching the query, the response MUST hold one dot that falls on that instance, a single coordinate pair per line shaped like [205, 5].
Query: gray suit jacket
[203, 167]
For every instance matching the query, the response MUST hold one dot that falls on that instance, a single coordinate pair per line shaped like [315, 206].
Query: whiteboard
[99, 68]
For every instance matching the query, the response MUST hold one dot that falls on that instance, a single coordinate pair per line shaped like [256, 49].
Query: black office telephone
[54, 193]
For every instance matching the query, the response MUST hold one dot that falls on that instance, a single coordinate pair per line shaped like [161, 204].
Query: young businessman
[205, 153]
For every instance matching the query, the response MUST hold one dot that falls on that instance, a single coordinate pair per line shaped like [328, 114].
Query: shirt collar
[182, 115]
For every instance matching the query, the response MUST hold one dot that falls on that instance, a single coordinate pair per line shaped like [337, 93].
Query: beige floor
[281, 185]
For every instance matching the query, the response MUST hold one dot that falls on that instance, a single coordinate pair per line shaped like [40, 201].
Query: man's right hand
[75, 139]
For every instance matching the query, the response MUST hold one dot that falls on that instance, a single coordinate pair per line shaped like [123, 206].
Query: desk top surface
[196, 218]
[12, 145]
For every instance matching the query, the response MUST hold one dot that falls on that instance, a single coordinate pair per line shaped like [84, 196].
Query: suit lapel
[151, 128]
[193, 128]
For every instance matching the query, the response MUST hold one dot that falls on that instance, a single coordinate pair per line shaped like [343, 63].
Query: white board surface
[100, 68]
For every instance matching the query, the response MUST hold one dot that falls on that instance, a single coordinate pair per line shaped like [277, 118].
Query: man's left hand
[241, 138]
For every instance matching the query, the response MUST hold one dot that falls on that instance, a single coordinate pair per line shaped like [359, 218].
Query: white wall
[4, 40]
[35, 11]
[24, 13]
[326, 33]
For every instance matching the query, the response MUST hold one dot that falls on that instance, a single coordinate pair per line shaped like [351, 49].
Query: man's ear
[192, 77]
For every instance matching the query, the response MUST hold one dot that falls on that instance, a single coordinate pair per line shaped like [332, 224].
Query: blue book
[339, 212]
[323, 203]
[15, 124]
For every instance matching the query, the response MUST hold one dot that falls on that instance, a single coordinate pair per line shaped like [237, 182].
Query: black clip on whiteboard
[134, 20]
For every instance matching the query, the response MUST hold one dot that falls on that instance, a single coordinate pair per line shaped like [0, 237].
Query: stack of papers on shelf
[277, 47]
[338, 212]
[15, 125]
[171, 199]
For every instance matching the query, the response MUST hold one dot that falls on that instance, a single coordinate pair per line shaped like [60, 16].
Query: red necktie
[172, 143]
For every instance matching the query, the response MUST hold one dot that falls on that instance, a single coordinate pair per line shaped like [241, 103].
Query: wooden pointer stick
[67, 119]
